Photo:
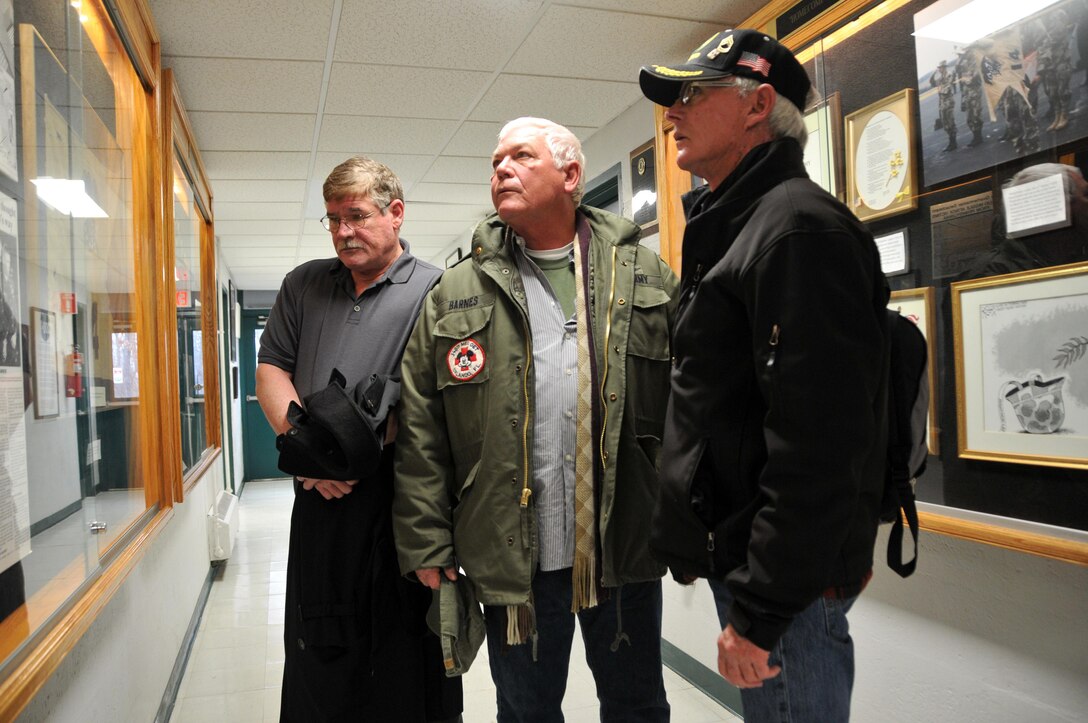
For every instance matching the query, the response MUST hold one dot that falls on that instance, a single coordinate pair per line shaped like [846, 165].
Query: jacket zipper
[710, 548]
[604, 373]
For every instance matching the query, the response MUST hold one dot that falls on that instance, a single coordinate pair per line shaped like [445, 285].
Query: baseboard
[49, 520]
[170, 695]
[702, 677]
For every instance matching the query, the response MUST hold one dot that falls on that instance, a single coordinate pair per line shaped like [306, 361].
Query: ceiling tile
[476, 35]
[723, 13]
[256, 164]
[231, 191]
[446, 211]
[450, 193]
[373, 135]
[245, 85]
[253, 131]
[460, 169]
[581, 28]
[559, 99]
[435, 228]
[475, 139]
[270, 228]
[244, 28]
[413, 92]
[408, 167]
[263, 211]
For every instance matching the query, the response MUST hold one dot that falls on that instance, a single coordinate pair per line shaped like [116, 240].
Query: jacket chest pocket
[462, 345]
[649, 335]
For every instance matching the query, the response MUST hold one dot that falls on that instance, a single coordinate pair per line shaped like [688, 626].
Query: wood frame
[178, 143]
[1000, 304]
[848, 16]
[122, 25]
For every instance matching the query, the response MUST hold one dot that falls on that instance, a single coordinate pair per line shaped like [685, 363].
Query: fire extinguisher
[73, 373]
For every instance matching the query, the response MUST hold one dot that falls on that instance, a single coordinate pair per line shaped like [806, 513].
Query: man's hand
[741, 662]
[328, 488]
[429, 576]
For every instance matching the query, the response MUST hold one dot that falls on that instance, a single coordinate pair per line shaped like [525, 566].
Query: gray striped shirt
[555, 360]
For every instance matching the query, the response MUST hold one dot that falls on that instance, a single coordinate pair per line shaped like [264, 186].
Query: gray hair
[1043, 170]
[364, 177]
[786, 120]
[562, 144]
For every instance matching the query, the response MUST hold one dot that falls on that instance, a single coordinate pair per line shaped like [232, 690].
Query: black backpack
[908, 407]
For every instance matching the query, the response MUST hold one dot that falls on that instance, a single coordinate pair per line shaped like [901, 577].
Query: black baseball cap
[741, 52]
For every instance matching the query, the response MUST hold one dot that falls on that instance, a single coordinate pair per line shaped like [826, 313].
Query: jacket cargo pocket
[462, 343]
[647, 365]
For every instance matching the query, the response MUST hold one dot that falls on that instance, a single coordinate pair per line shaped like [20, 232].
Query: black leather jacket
[773, 459]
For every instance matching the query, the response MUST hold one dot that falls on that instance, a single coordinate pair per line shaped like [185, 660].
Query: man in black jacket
[773, 458]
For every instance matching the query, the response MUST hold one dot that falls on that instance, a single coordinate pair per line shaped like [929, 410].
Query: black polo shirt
[318, 324]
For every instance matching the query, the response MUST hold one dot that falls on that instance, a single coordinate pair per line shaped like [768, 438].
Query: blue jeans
[625, 660]
[817, 659]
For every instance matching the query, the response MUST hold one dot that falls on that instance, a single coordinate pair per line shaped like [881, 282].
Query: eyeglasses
[354, 221]
[692, 89]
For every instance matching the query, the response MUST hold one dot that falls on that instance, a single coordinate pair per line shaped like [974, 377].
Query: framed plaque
[43, 337]
[881, 174]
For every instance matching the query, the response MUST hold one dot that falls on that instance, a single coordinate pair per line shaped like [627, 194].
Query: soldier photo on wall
[985, 100]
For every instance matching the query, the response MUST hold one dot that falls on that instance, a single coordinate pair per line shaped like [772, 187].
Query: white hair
[785, 120]
[563, 145]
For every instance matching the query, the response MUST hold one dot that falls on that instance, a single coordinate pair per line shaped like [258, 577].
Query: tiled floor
[236, 664]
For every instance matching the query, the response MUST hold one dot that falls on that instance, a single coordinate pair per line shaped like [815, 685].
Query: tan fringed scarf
[585, 506]
[521, 619]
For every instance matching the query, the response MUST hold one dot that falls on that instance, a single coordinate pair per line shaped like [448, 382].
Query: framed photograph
[917, 305]
[43, 350]
[823, 152]
[644, 187]
[881, 178]
[1021, 351]
[231, 323]
[894, 251]
[985, 100]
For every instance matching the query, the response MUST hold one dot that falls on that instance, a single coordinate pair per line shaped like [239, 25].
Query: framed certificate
[43, 345]
[881, 174]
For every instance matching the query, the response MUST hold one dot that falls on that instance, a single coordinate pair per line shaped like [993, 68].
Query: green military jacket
[464, 444]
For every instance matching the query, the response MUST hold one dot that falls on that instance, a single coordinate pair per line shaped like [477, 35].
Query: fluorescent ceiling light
[980, 18]
[68, 197]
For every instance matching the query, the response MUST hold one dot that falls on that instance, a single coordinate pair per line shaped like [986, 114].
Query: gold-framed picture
[1021, 351]
[881, 171]
[918, 306]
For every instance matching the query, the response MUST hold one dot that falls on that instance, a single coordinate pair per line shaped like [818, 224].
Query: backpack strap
[908, 509]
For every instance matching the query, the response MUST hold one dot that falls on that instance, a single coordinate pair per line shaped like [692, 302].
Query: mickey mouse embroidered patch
[465, 359]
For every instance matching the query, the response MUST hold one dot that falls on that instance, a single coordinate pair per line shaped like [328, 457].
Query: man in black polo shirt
[357, 645]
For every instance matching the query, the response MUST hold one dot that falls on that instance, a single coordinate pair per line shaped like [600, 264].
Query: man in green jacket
[529, 462]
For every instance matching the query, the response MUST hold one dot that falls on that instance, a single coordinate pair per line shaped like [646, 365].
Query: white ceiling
[280, 91]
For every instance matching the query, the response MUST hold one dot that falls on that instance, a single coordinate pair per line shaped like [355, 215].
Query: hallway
[235, 666]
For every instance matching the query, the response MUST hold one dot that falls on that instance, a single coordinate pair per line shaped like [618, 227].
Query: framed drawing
[881, 177]
[644, 188]
[1021, 351]
[823, 152]
[43, 349]
[917, 305]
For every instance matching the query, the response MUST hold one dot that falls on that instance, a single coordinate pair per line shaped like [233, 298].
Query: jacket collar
[492, 237]
[763, 168]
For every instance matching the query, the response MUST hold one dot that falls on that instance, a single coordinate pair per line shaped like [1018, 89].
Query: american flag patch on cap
[756, 63]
